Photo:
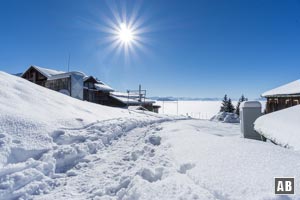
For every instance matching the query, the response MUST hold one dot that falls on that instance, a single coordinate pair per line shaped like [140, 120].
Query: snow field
[215, 158]
[194, 109]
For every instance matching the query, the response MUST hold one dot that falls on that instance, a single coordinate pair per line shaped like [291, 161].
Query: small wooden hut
[282, 97]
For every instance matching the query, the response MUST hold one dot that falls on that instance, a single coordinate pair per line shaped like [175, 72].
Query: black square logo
[284, 185]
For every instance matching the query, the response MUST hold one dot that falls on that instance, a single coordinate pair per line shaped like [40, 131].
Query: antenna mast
[69, 62]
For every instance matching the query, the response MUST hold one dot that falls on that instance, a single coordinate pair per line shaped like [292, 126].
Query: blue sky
[201, 48]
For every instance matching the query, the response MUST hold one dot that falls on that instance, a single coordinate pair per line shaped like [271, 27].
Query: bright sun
[125, 34]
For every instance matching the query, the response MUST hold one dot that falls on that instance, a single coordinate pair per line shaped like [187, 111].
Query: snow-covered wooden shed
[283, 96]
[75, 84]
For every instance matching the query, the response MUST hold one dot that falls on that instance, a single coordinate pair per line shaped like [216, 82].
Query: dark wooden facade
[276, 103]
[151, 107]
[91, 94]
[35, 76]
[96, 96]
[60, 85]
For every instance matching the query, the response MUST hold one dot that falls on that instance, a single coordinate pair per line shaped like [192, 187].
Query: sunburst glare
[124, 31]
[125, 34]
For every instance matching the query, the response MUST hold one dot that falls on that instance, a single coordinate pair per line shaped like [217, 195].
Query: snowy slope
[282, 127]
[44, 133]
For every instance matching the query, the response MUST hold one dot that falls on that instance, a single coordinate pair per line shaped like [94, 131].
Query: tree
[237, 110]
[224, 104]
[230, 107]
[227, 105]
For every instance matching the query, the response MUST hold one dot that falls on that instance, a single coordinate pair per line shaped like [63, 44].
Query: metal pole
[69, 62]
[177, 107]
[128, 98]
[140, 93]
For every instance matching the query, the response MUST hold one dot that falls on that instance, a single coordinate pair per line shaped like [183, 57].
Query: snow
[46, 72]
[282, 127]
[250, 104]
[56, 147]
[45, 133]
[131, 99]
[65, 75]
[195, 159]
[217, 160]
[136, 108]
[103, 87]
[226, 117]
[287, 89]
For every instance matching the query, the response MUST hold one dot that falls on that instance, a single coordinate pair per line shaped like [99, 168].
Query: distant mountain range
[184, 99]
[195, 99]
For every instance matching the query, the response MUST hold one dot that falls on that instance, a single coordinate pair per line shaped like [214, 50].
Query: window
[89, 85]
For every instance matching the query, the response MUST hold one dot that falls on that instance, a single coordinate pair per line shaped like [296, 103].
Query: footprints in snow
[2, 139]
[123, 184]
[151, 176]
[185, 167]
[154, 140]
[136, 154]
[74, 144]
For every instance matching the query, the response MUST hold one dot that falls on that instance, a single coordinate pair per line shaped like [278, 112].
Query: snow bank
[45, 134]
[282, 127]
[226, 117]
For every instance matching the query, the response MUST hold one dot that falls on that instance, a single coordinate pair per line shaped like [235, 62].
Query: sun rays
[124, 30]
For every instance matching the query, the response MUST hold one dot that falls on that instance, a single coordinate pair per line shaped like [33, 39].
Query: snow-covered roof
[103, 87]
[124, 94]
[100, 85]
[65, 75]
[46, 72]
[292, 88]
[132, 99]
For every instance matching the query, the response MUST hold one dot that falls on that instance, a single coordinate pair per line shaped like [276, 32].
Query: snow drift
[226, 117]
[282, 127]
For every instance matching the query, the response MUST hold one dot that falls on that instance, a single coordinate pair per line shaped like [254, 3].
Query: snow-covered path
[134, 162]
[183, 159]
